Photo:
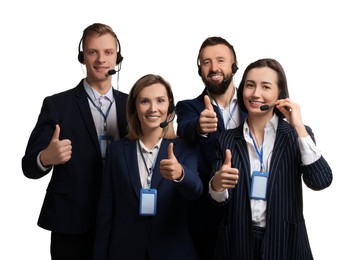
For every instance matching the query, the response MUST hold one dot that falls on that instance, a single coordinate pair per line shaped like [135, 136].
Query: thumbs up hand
[208, 119]
[57, 152]
[227, 177]
[170, 168]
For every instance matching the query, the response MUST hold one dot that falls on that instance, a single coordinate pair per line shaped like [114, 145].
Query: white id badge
[259, 185]
[148, 202]
[104, 141]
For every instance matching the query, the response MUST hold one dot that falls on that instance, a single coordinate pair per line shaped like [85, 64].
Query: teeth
[256, 103]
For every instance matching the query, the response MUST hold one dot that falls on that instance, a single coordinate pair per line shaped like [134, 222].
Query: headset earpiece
[80, 53]
[119, 58]
[234, 68]
[171, 107]
[80, 57]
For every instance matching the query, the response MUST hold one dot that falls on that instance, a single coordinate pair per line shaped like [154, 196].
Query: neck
[101, 87]
[257, 129]
[225, 99]
[150, 139]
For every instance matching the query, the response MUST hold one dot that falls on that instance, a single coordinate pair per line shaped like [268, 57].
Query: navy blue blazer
[286, 235]
[71, 198]
[124, 234]
[203, 216]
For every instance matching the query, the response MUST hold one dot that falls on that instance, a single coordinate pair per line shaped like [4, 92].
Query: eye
[266, 87]
[249, 85]
[110, 52]
[144, 101]
[221, 60]
[91, 52]
[206, 63]
[161, 100]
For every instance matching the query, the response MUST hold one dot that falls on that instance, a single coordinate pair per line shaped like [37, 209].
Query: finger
[228, 159]
[56, 133]
[170, 151]
[208, 104]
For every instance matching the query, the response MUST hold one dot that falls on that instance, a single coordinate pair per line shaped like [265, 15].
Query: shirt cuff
[308, 149]
[40, 165]
[183, 175]
[218, 196]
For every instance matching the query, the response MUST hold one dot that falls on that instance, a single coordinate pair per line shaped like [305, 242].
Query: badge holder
[259, 185]
[148, 202]
[104, 141]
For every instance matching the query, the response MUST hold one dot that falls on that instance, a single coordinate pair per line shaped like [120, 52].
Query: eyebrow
[262, 82]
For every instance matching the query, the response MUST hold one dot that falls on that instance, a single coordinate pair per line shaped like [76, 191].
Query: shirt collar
[146, 149]
[94, 94]
[233, 100]
[271, 126]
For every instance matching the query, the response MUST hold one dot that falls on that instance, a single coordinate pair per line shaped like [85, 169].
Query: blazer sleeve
[188, 112]
[190, 186]
[318, 175]
[39, 140]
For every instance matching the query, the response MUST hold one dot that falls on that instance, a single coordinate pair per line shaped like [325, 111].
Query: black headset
[119, 57]
[234, 66]
[171, 107]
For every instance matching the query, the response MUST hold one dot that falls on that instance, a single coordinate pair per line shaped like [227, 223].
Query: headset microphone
[166, 123]
[266, 107]
[111, 72]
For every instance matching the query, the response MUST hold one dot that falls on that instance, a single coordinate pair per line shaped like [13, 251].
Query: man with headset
[70, 138]
[200, 121]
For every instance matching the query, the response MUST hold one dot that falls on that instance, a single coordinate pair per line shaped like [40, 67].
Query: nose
[100, 57]
[152, 106]
[256, 92]
[214, 66]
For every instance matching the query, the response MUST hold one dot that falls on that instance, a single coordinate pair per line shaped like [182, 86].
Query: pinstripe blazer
[286, 235]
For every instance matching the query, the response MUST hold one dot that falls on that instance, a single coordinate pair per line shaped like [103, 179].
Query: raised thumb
[56, 133]
[228, 159]
[208, 104]
[170, 151]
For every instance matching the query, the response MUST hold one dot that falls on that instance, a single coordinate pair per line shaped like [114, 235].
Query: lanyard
[105, 116]
[259, 153]
[231, 114]
[150, 170]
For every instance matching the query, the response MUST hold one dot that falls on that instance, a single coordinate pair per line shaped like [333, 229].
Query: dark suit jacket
[72, 195]
[121, 232]
[203, 216]
[286, 235]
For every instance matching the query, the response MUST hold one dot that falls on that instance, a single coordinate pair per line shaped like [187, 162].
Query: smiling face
[216, 67]
[100, 55]
[152, 107]
[260, 88]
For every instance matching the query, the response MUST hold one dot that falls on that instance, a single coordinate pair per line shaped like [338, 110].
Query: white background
[311, 39]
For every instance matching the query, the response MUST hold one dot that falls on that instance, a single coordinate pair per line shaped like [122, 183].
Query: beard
[218, 89]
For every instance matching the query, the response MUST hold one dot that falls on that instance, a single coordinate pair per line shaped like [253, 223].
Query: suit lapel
[241, 146]
[279, 148]
[120, 104]
[163, 154]
[130, 157]
[84, 107]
